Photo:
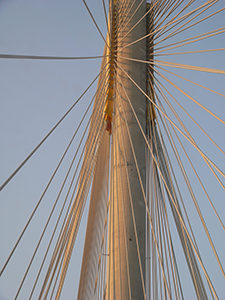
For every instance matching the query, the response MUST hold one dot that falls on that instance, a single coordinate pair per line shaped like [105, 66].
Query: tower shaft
[128, 213]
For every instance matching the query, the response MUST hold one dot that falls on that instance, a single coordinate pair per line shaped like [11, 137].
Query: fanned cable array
[134, 163]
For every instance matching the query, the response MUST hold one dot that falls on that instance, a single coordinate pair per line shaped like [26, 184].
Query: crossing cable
[93, 257]
[62, 262]
[123, 26]
[100, 276]
[59, 263]
[169, 241]
[105, 14]
[204, 157]
[205, 192]
[204, 225]
[124, 216]
[185, 127]
[159, 5]
[94, 279]
[104, 264]
[81, 155]
[109, 266]
[195, 101]
[83, 147]
[154, 220]
[209, 162]
[169, 182]
[21, 165]
[162, 7]
[211, 203]
[113, 223]
[135, 25]
[141, 38]
[177, 31]
[174, 274]
[183, 171]
[159, 238]
[154, 245]
[151, 139]
[172, 10]
[187, 67]
[112, 204]
[123, 11]
[191, 52]
[68, 255]
[166, 241]
[148, 12]
[68, 192]
[55, 230]
[157, 180]
[144, 194]
[140, 180]
[175, 20]
[119, 151]
[131, 17]
[190, 40]
[185, 176]
[120, 25]
[160, 74]
[91, 147]
[170, 196]
[93, 19]
[106, 249]
[61, 211]
[161, 21]
[133, 217]
[63, 186]
[177, 154]
[74, 224]
[148, 264]
[152, 250]
[44, 57]
[194, 270]
[173, 7]
[158, 230]
[117, 213]
[49, 218]
[151, 34]
[155, 62]
[45, 138]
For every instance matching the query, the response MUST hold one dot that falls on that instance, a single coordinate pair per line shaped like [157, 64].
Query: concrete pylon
[125, 278]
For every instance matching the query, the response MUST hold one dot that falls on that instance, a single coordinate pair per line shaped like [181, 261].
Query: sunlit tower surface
[128, 207]
[125, 278]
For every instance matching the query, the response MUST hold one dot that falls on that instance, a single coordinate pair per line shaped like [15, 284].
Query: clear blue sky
[34, 94]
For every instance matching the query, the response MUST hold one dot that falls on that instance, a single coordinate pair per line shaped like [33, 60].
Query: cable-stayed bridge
[146, 156]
